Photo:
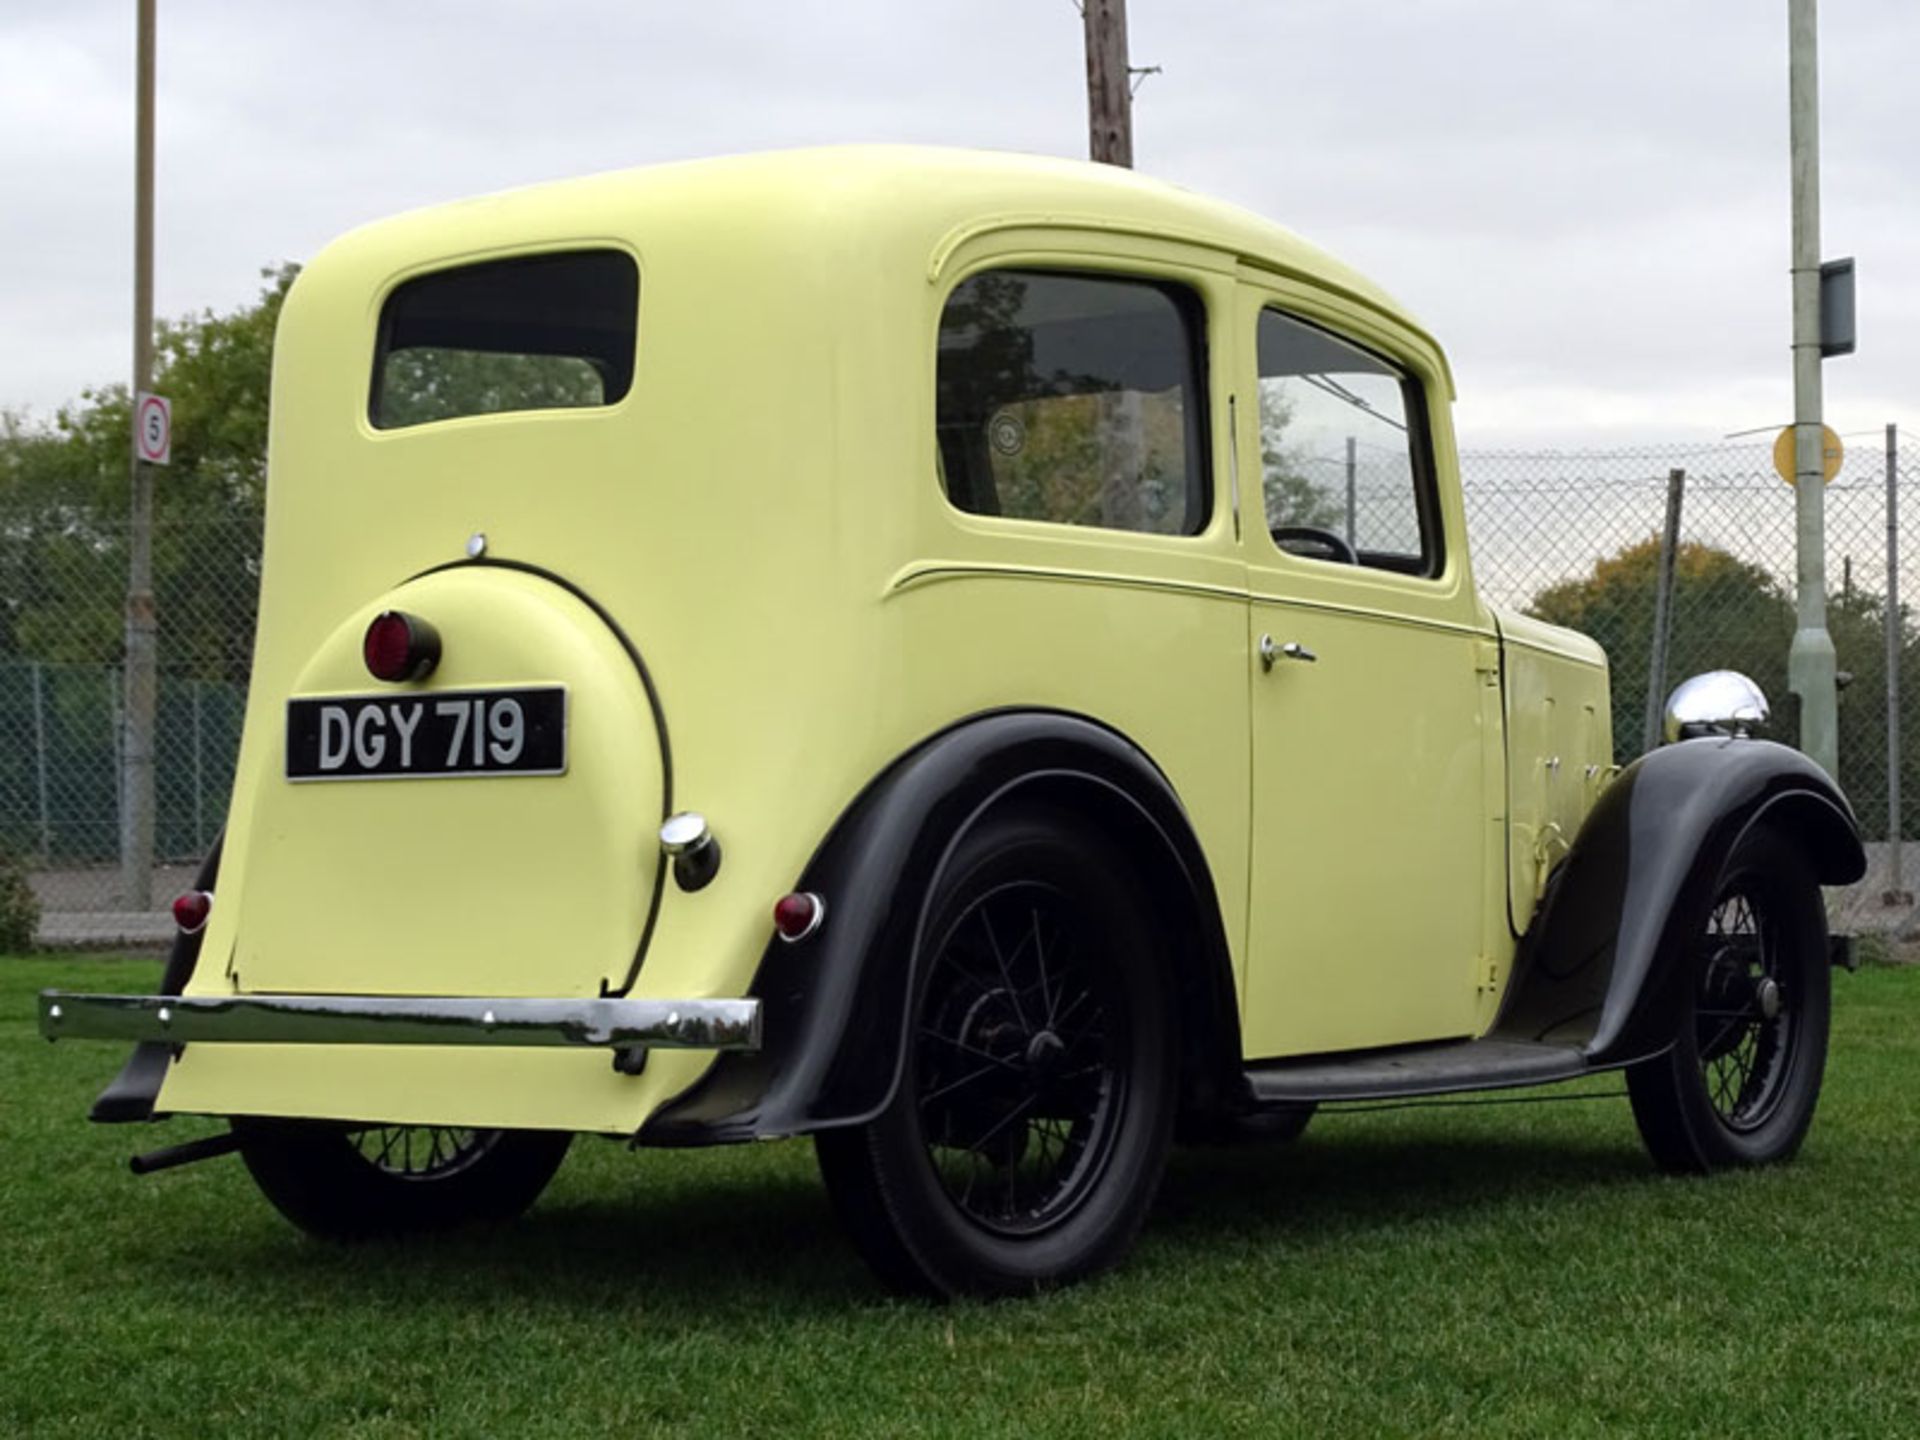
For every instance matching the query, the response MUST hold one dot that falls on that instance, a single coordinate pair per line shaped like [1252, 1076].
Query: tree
[428, 383]
[63, 504]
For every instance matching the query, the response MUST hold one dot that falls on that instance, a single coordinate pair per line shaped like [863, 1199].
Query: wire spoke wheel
[1740, 1082]
[1020, 1061]
[350, 1183]
[1028, 1126]
[1745, 1016]
[422, 1152]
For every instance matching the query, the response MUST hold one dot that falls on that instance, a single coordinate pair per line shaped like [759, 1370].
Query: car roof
[929, 196]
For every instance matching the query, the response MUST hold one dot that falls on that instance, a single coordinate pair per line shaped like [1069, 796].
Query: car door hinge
[1486, 661]
[1550, 845]
[1490, 975]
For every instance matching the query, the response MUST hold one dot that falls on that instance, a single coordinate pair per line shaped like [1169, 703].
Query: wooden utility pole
[136, 739]
[1109, 82]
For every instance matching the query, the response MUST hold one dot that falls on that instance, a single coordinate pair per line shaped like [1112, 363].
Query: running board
[1409, 1070]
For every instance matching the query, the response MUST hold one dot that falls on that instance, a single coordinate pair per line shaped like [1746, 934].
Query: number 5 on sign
[153, 428]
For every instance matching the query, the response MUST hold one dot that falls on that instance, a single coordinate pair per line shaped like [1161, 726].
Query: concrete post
[136, 735]
[1810, 660]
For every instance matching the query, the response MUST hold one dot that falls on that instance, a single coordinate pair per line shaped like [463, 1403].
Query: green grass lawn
[1515, 1270]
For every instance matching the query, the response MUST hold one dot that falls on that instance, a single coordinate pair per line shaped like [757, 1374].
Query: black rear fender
[834, 1005]
[1601, 965]
[130, 1095]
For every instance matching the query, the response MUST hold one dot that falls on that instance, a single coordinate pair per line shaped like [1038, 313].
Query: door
[1374, 703]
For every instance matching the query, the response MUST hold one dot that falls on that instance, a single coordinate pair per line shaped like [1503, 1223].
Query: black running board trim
[1412, 1070]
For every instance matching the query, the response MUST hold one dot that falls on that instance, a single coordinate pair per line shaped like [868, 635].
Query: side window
[1074, 398]
[1345, 462]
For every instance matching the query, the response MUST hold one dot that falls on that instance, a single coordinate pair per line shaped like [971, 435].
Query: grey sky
[1586, 200]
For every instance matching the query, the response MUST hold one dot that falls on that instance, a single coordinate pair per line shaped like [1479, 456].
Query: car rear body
[742, 576]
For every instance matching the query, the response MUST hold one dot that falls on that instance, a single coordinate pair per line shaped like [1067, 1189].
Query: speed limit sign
[153, 428]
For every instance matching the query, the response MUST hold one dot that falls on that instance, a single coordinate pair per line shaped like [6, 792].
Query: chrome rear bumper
[401, 1020]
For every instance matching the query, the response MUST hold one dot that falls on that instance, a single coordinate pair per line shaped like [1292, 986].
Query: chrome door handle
[1291, 650]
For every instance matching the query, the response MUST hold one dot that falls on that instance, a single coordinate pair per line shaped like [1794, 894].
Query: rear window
[547, 332]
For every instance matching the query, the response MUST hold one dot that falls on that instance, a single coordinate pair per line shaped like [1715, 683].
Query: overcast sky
[1586, 199]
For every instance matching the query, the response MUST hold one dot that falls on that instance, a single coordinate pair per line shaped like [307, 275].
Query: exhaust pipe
[208, 1147]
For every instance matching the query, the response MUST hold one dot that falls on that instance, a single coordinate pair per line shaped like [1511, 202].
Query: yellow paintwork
[1560, 735]
[576, 865]
[762, 514]
[1378, 939]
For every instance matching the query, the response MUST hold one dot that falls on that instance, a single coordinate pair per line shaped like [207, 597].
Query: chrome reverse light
[687, 839]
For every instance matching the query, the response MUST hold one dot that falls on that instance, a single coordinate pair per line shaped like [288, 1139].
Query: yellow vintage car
[971, 658]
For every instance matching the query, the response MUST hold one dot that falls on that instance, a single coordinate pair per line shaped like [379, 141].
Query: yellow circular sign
[1830, 453]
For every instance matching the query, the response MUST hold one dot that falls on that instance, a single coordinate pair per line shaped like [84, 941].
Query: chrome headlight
[1720, 702]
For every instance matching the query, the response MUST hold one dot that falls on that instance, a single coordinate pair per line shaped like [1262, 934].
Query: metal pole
[116, 717]
[136, 768]
[1810, 661]
[1109, 85]
[1351, 469]
[199, 774]
[1662, 614]
[1897, 892]
[40, 757]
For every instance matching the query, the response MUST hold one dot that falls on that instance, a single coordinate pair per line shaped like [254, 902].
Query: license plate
[449, 732]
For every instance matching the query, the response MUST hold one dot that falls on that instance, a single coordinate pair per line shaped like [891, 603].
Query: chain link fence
[1573, 537]
[60, 762]
[62, 589]
[1576, 539]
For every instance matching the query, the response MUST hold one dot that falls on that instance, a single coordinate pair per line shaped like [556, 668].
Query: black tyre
[1741, 1081]
[351, 1184]
[1032, 1121]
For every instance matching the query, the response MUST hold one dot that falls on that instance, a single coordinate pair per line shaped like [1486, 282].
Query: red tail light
[399, 646]
[798, 915]
[190, 911]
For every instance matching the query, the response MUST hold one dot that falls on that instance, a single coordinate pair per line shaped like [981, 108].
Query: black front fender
[1600, 966]
[834, 1005]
